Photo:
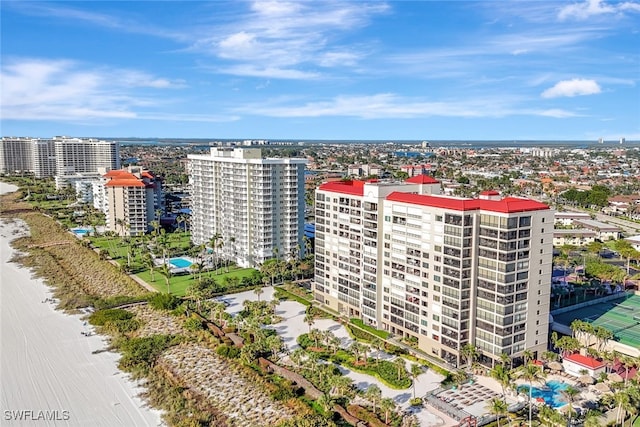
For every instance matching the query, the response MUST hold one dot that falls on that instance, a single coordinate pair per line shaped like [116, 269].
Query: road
[629, 227]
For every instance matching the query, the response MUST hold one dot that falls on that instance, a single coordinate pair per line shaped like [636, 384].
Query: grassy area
[178, 284]
[283, 293]
[378, 333]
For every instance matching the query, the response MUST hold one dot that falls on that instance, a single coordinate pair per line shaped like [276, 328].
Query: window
[439, 218]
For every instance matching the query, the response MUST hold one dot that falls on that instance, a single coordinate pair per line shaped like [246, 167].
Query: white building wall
[255, 205]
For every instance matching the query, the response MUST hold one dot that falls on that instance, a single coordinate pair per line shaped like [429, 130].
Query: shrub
[162, 301]
[141, 353]
[228, 351]
[416, 401]
[113, 315]
[115, 301]
[193, 324]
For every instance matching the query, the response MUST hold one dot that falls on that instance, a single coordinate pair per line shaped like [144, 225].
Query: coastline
[50, 375]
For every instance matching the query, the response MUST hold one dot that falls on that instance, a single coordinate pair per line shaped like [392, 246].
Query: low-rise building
[603, 230]
[567, 218]
[574, 237]
[576, 364]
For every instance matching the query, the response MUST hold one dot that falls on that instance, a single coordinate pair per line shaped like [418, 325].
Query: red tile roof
[125, 183]
[586, 361]
[506, 205]
[355, 188]
[422, 179]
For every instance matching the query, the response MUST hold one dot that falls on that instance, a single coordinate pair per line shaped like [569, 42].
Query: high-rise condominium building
[33, 155]
[249, 207]
[131, 198]
[78, 156]
[443, 271]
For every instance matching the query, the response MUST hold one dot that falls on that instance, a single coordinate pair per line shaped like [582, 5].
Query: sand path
[48, 373]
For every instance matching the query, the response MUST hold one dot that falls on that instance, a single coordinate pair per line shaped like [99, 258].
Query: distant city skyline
[476, 70]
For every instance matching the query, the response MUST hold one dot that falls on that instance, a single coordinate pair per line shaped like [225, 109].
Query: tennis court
[622, 317]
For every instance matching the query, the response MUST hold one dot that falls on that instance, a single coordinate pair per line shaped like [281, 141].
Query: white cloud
[556, 113]
[34, 89]
[293, 36]
[573, 87]
[589, 8]
[391, 106]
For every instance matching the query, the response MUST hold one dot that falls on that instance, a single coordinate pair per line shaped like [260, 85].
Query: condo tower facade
[441, 271]
[249, 207]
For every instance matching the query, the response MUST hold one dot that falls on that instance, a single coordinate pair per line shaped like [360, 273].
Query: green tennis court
[621, 316]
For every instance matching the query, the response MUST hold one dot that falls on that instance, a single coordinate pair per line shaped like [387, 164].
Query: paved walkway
[293, 325]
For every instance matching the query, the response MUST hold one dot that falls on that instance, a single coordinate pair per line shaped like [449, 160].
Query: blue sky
[322, 70]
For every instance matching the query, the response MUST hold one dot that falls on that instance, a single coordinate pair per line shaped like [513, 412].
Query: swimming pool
[180, 262]
[551, 393]
[81, 231]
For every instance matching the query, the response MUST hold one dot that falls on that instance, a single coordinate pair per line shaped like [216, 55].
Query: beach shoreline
[52, 373]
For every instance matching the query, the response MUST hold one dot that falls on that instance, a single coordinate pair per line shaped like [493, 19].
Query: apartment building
[33, 155]
[440, 270]
[79, 159]
[254, 205]
[131, 198]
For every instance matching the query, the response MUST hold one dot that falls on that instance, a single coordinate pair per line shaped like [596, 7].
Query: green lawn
[178, 284]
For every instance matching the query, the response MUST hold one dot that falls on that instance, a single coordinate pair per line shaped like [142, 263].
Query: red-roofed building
[130, 198]
[441, 270]
[576, 363]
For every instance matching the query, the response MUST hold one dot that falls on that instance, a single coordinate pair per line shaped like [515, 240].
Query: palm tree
[258, 291]
[387, 405]
[469, 352]
[373, 394]
[497, 407]
[528, 356]
[150, 262]
[570, 393]
[165, 270]
[503, 375]
[505, 359]
[415, 371]
[340, 383]
[531, 373]
[400, 365]
[325, 401]
[309, 319]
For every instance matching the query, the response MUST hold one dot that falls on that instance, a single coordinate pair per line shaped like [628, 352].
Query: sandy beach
[49, 373]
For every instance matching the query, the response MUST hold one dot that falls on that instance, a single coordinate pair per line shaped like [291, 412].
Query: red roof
[490, 193]
[355, 188]
[147, 174]
[120, 174]
[422, 179]
[586, 361]
[506, 205]
[125, 183]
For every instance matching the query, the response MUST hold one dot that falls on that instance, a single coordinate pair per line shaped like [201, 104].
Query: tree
[415, 371]
[400, 365]
[150, 262]
[530, 373]
[497, 407]
[387, 405]
[469, 352]
[165, 270]
[325, 401]
[503, 375]
[309, 319]
[373, 394]
[570, 393]
[258, 291]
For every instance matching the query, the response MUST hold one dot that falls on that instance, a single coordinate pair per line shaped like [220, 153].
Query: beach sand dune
[49, 375]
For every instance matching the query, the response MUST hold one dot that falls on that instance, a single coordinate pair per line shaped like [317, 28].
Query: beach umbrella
[602, 388]
[556, 366]
[614, 378]
[586, 379]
